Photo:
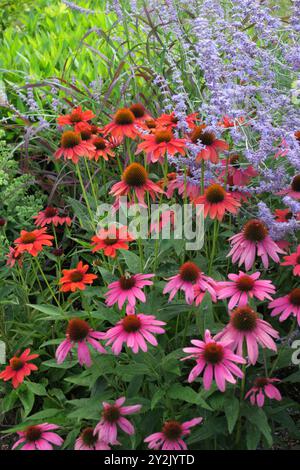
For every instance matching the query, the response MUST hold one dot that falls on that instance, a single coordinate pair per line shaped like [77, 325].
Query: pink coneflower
[192, 281]
[254, 239]
[172, 434]
[240, 175]
[122, 125]
[50, 215]
[134, 330]
[160, 143]
[88, 440]
[164, 221]
[243, 286]
[263, 386]
[128, 288]
[246, 326]
[14, 257]
[217, 201]
[287, 305]
[112, 418]
[38, 437]
[216, 360]
[293, 260]
[294, 189]
[80, 333]
[135, 180]
[76, 118]
[212, 145]
[73, 147]
[110, 240]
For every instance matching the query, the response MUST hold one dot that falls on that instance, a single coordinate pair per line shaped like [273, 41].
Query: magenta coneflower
[134, 330]
[243, 286]
[216, 359]
[128, 288]
[80, 333]
[287, 305]
[39, 437]
[172, 434]
[192, 281]
[88, 440]
[293, 260]
[263, 386]
[246, 327]
[254, 239]
[50, 215]
[112, 418]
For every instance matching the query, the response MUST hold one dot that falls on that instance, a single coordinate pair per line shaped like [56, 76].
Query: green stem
[46, 281]
[85, 195]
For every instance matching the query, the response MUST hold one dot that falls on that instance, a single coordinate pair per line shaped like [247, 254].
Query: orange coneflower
[103, 148]
[135, 178]
[76, 118]
[32, 242]
[217, 201]
[212, 145]
[77, 278]
[72, 147]
[50, 215]
[160, 142]
[110, 240]
[122, 125]
[139, 111]
[171, 120]
[19, 367]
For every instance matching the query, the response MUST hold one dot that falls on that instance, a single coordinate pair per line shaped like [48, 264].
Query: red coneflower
[72, 147]
[135, 179]
[235, 173]
[212, 145]
[284, 215]
[227, 122]
[110, 240]
[171, 120]
[139, 111]
[159, 143]
[77, 278]
[103, 148]
[33, 242]
[293, 260]
[217, 201]
[76, 118]
[50, 215]
[294, 189]
[19, 368]
[122, 125]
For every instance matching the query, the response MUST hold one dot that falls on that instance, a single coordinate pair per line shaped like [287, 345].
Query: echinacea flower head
[212, 145]
[172, 434]
[77, 278]
[185, 186]
[293, 260]
[19, 367]
[113, 417]
[39, 437]
[72, 147]
[50, 215]
[103, 148]
[139, 112]
[76, 118]
[88, 440]
[135, 330]
[128, 288]
[33, 242]
[160, 143]
[192, 281]
[81, 334]
[287, 305]
[243, 286]
[171, 121]
[284, 215]
[217, 202]
[253, 240]
[135, 181]
[245, 327]
[110, 240]
[215, 359]
[263, 386]
[14, 257]
[294, 189]
[122, 125]
[236, 173]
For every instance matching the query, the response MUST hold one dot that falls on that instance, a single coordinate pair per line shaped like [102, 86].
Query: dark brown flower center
[77, 329]
[51, 211]
[189, 272]
[110, 241]
[16, 363]
[28, 238]
[215, 194]
[131, 323]
[135, 175]
[244, 319]
[126, 282]
[296, 183]
[99, 143]
[234, 160]
[124, 117]
[213, 353]
[86, 135]
[75, 117]
[138, 110]
[260, 382]
[76, 276]
[202, 136]
[150, 123]
[255, 230]
[33, 433]
[70, 139]
[298, 260]
[163, 136]
[297, 135]
[295, 296]
[172, 430]
[245, 283]
[88, 437]
[111, 414]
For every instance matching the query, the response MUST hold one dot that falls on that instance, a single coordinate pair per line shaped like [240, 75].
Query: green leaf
[132, 261]
[231, 408]
[36, 389]
[187, 394]
[27, 398]
[51, 311]
[258, 418]
[252, 437]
